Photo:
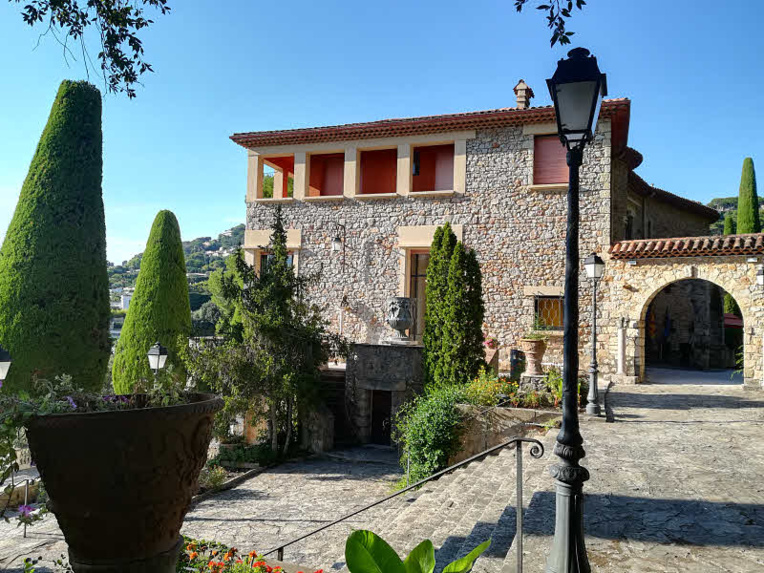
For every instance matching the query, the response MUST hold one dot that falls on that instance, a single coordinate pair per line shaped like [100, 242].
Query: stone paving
[676, 486]
[676, 483]
[270, 508]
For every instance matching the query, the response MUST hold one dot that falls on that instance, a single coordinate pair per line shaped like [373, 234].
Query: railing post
[519, 505]
[26, 502]
[280, 554]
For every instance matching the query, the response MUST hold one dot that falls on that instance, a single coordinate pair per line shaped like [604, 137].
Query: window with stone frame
[548, 311]
[550, 166]
[266, 257]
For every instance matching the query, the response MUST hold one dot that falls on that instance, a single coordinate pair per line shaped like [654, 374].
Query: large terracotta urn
[534, 349]
[120, 482]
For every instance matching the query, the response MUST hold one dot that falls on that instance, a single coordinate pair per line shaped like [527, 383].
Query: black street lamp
[5, 364]
[595, 268]
[157, 358]
[575, 88]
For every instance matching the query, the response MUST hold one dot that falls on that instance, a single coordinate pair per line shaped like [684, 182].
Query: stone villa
[500, 178]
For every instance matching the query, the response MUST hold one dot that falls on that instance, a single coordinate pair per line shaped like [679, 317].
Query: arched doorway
[689, 338]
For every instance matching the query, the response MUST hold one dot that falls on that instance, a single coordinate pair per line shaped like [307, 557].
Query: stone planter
[400, 317]
[120, 483]
[534, 353]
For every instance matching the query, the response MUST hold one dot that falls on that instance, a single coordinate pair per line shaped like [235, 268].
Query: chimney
[524, 94]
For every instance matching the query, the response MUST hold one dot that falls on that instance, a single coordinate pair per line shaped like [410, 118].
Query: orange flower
[193, 555]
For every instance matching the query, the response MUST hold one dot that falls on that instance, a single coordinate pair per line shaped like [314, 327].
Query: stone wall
[517, 231]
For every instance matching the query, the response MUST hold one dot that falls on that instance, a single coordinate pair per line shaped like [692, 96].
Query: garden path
[676, 483]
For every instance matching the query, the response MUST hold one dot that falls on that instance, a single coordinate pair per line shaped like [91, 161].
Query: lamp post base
[568, 553]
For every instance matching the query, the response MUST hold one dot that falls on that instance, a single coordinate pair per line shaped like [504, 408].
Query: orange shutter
[549, 163]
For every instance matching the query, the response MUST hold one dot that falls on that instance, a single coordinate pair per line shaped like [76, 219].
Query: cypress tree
[475, 314]
[453, 365]
[748, 201]
[54, 288]
[436, 291]
[159, 310]
[730, 306]
[729, 224]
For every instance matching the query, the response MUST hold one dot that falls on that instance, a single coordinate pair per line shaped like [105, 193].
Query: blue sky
[691, 69]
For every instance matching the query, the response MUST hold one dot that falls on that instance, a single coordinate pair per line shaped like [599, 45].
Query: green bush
[428, 429]
[159, 309]
[748, 201]
[54, 292]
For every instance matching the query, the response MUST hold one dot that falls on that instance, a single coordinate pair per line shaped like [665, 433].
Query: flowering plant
[212, 557]
[491, 342]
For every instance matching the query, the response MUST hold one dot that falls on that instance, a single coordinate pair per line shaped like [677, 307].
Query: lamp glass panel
[162, 360]
[574, 101]
[154, 360]
[4, 368]
[336, 244]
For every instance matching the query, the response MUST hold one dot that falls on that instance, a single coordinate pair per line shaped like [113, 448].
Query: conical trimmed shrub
[748, 201]
[729, 224]
[54, 288]
[159, 310]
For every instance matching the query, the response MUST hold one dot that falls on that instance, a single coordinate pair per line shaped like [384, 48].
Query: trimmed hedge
[54, 287]
[159, 309]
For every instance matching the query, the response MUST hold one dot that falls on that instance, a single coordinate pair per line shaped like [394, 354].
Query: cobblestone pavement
[268, 509]
[676, 483]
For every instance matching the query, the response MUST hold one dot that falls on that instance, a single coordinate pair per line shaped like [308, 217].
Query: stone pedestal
[396, 369]
[531, 382]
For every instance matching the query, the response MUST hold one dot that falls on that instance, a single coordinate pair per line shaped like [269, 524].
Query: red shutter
[549, 163]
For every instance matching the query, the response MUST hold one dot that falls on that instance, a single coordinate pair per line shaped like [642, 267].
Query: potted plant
[120, 471]
[533, 345]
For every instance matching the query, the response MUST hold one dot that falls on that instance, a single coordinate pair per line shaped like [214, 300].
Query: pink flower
[26, 510]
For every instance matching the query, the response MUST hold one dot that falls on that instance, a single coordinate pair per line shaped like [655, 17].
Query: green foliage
[212, 476]
[428, 429]
[204, 320]
[274, 341]
[367, 552]
[268, 186]
[748, 220]
[453, 337]
[114, 24]
[258, 454]
[159, 309]
[556, 13]
[489, 390]
[730, 305]
[729, 225]
[54, 297]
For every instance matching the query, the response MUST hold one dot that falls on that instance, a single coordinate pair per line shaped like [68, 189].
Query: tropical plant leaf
[366, 552]
[464, 564]
[421, 559]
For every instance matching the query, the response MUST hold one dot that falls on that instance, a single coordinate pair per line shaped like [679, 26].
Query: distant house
[124, 302]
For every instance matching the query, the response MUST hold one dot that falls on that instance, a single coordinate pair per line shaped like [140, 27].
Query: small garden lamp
[595, 268]
[5, 364]
[575, 89]
[157, 357]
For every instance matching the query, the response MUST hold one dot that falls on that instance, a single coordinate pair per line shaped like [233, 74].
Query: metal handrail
[536, 451]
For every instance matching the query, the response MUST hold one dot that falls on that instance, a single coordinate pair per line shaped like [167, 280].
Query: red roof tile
[427, 124]
[711, 246]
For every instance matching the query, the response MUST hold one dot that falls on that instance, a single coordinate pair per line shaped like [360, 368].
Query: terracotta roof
[712, 246]
[613, 108]
[641, 187]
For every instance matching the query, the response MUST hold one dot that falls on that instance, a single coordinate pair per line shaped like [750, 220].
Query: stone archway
[685, 329]
[634, 285]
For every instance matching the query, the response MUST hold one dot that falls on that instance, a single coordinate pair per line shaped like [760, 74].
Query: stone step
[427, 495]
[489, 485]
[445, 505]
[537, 478]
